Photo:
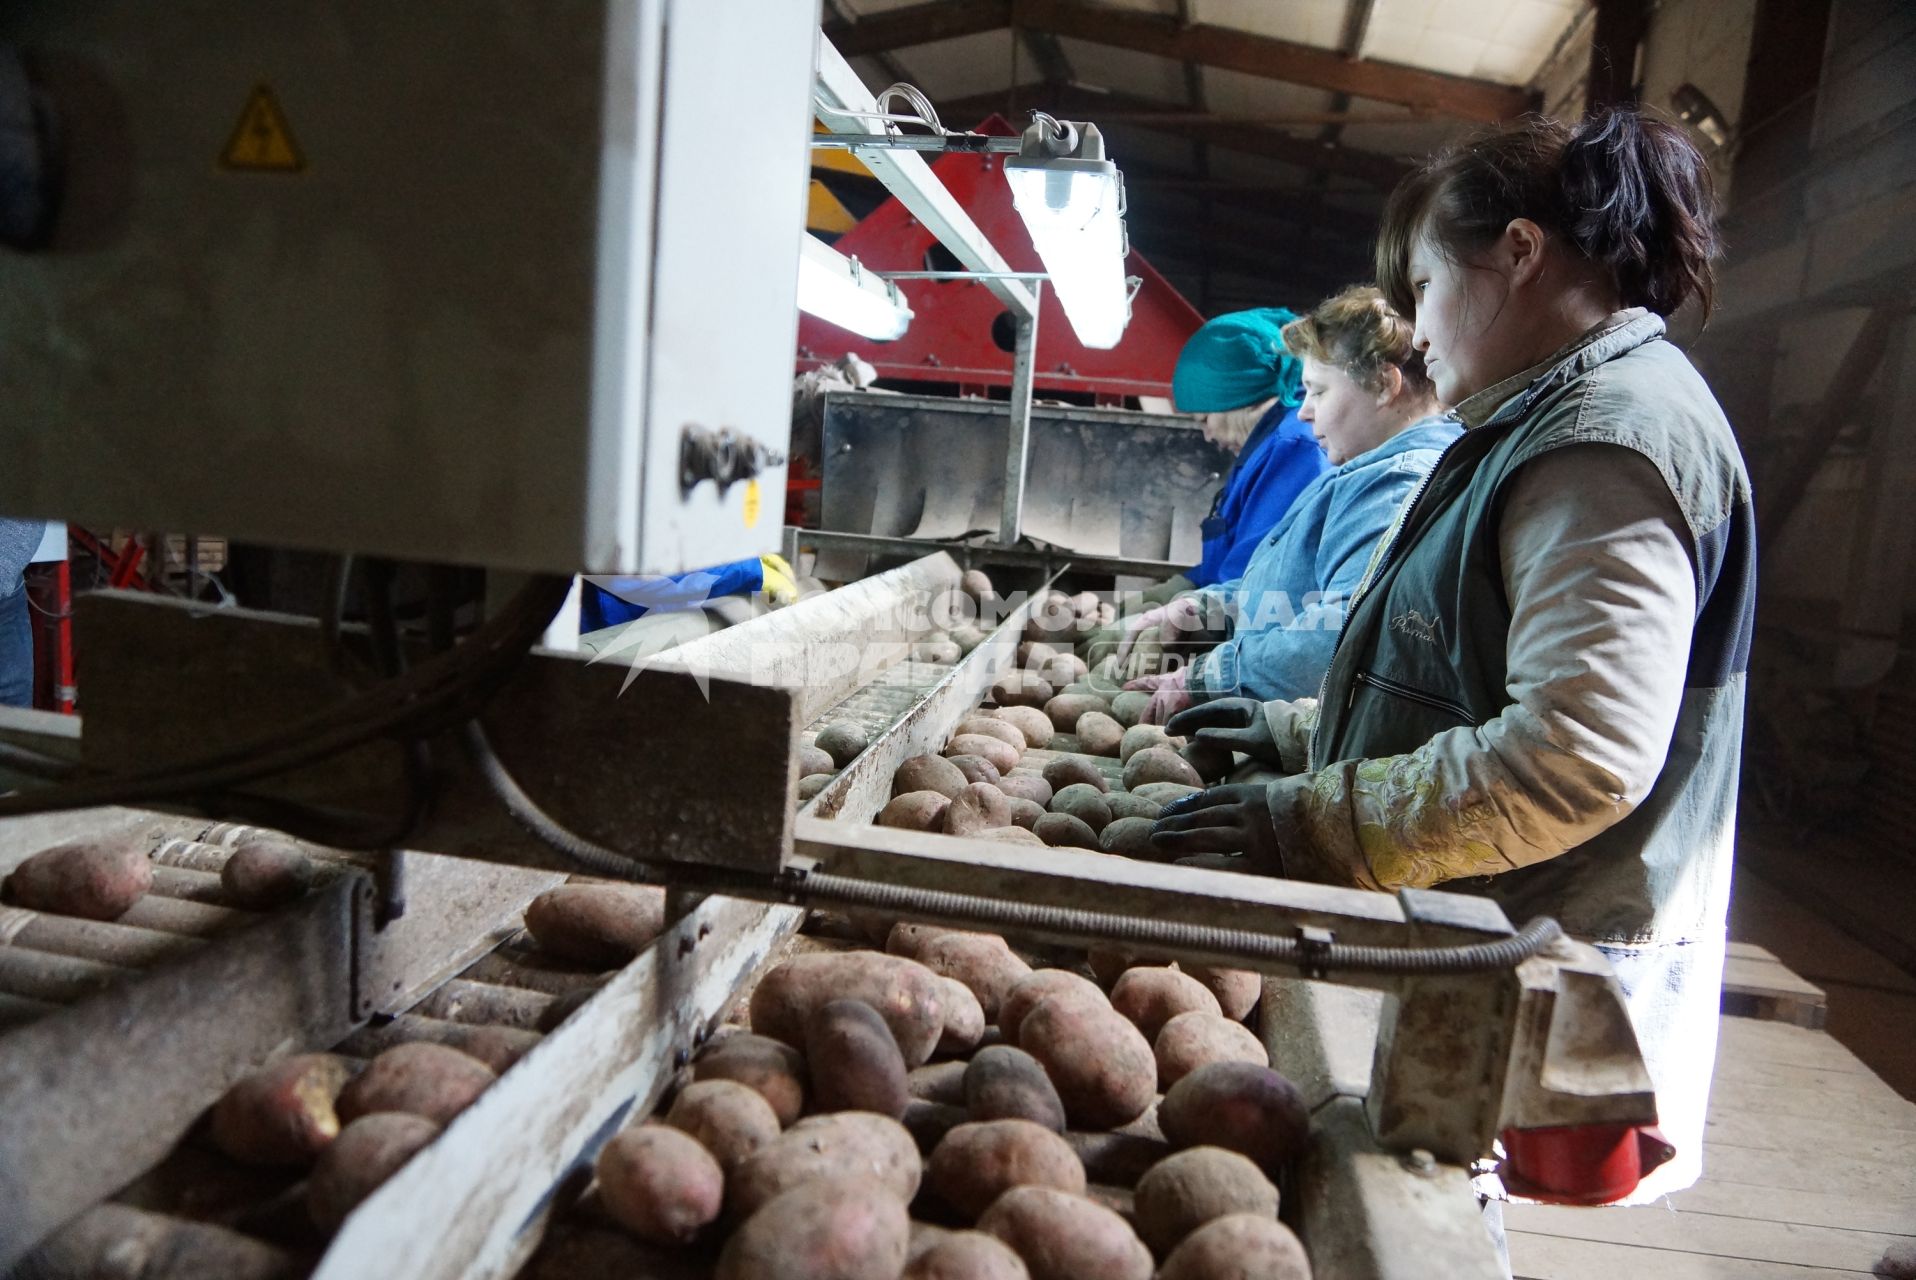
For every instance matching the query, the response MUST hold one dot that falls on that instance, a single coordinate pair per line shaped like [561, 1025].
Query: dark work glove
[1236, 723]
[1233, 819]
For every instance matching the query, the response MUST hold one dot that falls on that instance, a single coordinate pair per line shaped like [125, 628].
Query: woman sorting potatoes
[1371, 406]
[1538, 692]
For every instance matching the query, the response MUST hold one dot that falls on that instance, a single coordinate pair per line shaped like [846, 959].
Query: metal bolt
[1421, 1162]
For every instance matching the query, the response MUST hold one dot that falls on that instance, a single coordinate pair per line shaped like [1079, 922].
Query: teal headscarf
[1238, 359]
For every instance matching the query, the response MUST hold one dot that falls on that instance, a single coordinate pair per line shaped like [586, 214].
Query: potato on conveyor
[1062, 670]
[1101, 1064]
[1128, 707]
[1237, 990]
[1195, 1039]
[992, 727]
[1039, 985]
[944, 652]
[979, 807]
[854, 1062]
[95, 879]
[772, 1068]
[1065, 831]
[976, 584]
[1024, 813]
[1010, 835]
[1239, 1106]
[983, 962]
[355, 1164]
[838, 1228]
[1006, 1083]
[1125, 804]
[600, 926]
[283, 1113]
[858, 1143]
[917, 810]
[1181, 1193]
[928, 773]
[815, 760]
[1003, 756]
[1140, 736]
[1020, 688]
[1240, 1246]
[813, 783]
[843, 742]
[977, 768]
[1066, 708]
[1032, 722]
[658, 1183]
[965, 1255]
[1152, 995]
[1065, 1237]
[975, 1163]
[421, 1079]
[1129, 838]
[1072, 770]
[1162, 793]
[1026, 786]
[967, 637]
[1158, 764]
[265, 872]
[1085, 803]
[729, 1119]
[964, 1019]
[1098, 734]
[904, 992]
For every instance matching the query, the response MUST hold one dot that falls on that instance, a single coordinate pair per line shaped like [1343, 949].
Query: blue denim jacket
[1289, 604]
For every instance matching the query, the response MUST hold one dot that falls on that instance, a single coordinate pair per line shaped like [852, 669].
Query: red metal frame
[950, 339]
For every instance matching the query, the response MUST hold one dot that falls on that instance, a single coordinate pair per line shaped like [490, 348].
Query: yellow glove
[781, 584]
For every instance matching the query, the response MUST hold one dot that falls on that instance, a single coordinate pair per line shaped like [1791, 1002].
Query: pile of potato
[928, 1111]
[105, 879]
[352, 1123]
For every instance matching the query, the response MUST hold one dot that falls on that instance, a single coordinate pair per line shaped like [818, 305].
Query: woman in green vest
[1538, 692]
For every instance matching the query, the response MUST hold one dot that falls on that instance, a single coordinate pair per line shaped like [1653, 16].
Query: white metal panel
[1314, 22]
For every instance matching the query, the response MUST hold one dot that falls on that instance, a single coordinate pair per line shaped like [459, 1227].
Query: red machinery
[955, 335]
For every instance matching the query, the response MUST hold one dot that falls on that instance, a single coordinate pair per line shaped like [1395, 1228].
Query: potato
[1011, 835]
[1065, 831]
[423, 1079]
[1084, 803]
[964, 1020]
[729, 1119]
[1240, 1106]
[367, 1152]
[1003, 756]
[928, 773]
[976, 584]
[843, 742]
[1038, 985]
[833, 1228]
[983, 962]
[1140, 736]
[856, 1143]
[1239, 1246]
[854, 1062]
[939, 1082]
[990, 727]
[1128, 707]
[498, 1047]
[815, 760]
[811, 784]
[265, 872]
[1004, 1083]
[1021, 689]
[600, 926]
[965, 1255]
[1162, 793]
[1237, 990]
[976, 769]
[1181, 1193]
[1211, 760]
[771, 1068]
[943, 652]
[1026, 786]
[658, 1183]
[967, 638]
[1025, 813]
[1107, 966]
[1032, 654]
[975, 1163]
[96, 880]
[1070, 770]
[1130, 838]
[916, 811]
[1158, 764]
[1032, 722]
[905, 993]
[1100, 1063]
[1098, 734]
[282, 1113]
[1061, 670]
[1052, 619]
[1066, 708]
[1065, 1237]
[978, 807]
[1190, 1040]
[1151, 996]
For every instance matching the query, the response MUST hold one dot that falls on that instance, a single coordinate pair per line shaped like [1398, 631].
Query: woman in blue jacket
[1370, 404]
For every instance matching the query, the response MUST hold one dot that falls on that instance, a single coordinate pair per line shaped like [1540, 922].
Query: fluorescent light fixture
[839, 291]
[1072, 201]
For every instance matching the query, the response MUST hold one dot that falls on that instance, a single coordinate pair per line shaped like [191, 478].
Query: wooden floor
[1809, 1171]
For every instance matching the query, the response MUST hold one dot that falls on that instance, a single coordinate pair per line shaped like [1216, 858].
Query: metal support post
[1018, 446]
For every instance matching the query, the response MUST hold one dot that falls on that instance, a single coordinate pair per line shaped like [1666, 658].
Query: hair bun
[1639, 198]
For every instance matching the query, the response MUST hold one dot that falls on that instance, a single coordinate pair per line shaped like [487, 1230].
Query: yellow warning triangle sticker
[262, 141]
